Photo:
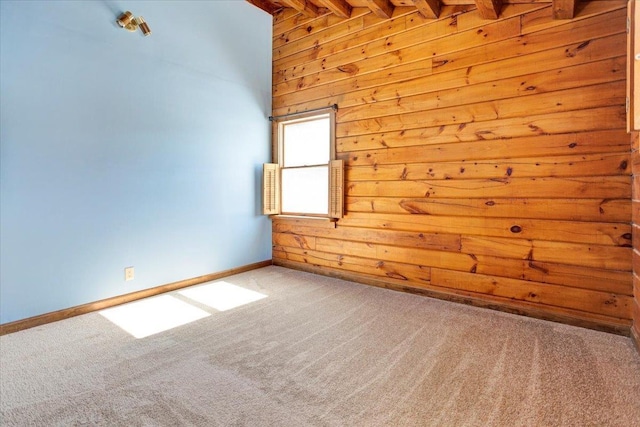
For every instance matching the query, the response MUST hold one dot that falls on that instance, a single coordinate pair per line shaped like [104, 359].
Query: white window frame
[272, 172]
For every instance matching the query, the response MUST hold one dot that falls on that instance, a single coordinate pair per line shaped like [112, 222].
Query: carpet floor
[318, 351]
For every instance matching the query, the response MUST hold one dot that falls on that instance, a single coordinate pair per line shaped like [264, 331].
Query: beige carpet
[321, 352]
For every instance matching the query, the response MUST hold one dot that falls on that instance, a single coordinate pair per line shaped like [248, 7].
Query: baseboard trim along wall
[559, 315]
[66, 313]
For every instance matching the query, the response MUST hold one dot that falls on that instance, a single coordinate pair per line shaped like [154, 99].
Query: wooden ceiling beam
[564, 9]
[428, 8]
[489, 9]
[338, 7]
[305, 7]
[266, 5]
[382, 8]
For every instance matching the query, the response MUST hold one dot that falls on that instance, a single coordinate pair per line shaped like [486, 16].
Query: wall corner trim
[635, 338]
[54, 316]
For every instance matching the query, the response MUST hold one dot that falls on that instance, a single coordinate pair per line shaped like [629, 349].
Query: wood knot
[538, 267]
[395, 275]
[583, 45]
[516, 229]
[404, 174]
[349, 68]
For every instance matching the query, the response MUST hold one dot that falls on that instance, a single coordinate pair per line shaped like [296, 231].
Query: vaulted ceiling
[488, 9]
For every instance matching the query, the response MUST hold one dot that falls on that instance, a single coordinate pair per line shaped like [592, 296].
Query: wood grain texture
[428, 8]
[339, 8]
[635, 329]
[544, 294]
[7, 328]
[485, 160]
[605, 210]
[303, 6]
[635, 167]
[565, 231]
[489, 9]
[381, 8]
[633, 72]
[564, 9]
[585, 41]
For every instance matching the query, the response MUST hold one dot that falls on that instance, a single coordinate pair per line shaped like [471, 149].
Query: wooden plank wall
[635, 156]
[487, 160]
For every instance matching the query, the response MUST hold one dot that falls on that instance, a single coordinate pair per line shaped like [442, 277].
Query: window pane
[305, 190]
[307, 143]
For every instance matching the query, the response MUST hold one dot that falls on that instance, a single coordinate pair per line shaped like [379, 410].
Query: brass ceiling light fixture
[129, 22]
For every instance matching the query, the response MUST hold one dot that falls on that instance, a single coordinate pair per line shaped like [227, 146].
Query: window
[306, 179]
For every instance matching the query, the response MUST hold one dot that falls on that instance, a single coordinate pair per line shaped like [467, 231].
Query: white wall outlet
[128, 273]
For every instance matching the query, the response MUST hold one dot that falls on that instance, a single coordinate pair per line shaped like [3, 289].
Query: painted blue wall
[122, 150]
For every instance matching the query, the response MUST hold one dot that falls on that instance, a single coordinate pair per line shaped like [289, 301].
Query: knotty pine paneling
[486, 160]
[635, 167]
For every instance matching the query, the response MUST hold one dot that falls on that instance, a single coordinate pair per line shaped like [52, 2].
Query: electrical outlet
[128, 273]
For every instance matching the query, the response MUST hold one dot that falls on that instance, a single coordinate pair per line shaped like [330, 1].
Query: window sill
[312, 221]
[314, 218]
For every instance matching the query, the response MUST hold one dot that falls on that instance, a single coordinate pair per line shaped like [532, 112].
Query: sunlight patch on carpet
[152, 315]
[222, 295]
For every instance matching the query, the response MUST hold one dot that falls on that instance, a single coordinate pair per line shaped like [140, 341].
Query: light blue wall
[122, 150]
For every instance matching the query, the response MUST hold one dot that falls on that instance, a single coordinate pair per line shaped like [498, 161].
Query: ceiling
[488, 9]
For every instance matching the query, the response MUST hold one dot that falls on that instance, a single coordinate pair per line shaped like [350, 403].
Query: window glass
[305, 190]
[306, 142]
